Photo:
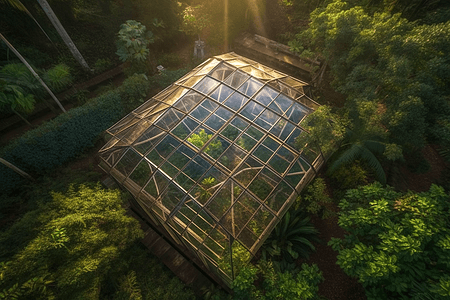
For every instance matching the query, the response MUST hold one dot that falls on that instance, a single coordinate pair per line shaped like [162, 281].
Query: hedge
[54, 143]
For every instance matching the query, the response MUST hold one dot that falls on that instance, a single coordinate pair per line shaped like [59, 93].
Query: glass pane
[128, 162]
[271, 143]
[292, 140]
[169, 119]
[279, 164]
[196, 168]
[267, 119]
[247, 237]
[236, 79]
[296, 113]
[221, 72]
[206, 85]
[149, 139]
[236, 101]
[181, 157]
[216, 147]
[279, 196]
[188, 101]
[281, 104]
[266, 95]
[170, 170]
[247, 171]
[231, 132]
[282, 129]
[255, 133]
[157, 184]
[186, 126]
[263, 153]
[219, 118]
[221, 93]
[200, 113]
[232, 157]
[200, 137]
[142, 173]
[221, 202]
[166, 146]
[252, 110]
[264, 183]
[185, 182]
[247, 142]
[172, 196]
[250, 87]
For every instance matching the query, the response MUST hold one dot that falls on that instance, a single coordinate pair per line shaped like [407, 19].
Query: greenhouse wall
[213, 160]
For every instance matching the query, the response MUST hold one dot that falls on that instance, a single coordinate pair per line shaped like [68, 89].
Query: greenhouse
[214, 158]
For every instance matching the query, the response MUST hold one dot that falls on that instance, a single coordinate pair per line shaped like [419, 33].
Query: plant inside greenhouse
[213, 158]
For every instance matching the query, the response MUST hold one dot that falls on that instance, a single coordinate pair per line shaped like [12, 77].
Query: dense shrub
[61, 139]
[65, 248]
[56, 142]
[396, 244]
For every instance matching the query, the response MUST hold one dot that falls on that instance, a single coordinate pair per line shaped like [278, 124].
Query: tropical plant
[201, 138]
[32, 71]
[302, 285]
[132, 44]
[292, 238]
[315, 199]
[397, 244]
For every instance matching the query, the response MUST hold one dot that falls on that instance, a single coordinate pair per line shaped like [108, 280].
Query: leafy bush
[55, 142]
[102, 65]
[397, 244]
[134, 91]
[75, 240]
[302, 285]
[315, 199]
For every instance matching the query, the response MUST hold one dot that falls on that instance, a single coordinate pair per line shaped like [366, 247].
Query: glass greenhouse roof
[212, 157]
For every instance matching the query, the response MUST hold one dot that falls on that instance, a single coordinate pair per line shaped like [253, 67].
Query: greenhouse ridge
[212, 158]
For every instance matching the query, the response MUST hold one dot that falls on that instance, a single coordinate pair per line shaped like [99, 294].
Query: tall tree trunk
[32, 71]
[62, 32]
[16, 169]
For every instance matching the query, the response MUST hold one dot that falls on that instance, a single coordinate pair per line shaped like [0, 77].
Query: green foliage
[134, 91]
[350, 176]
[384, 59]
[292, 238]
[325, 129]
[76, 239]
[397, 244]
[195, 19]
[277, 285]
[214, 148]
[61, 139]
[102, 64]
[315, 199]
[132, 42]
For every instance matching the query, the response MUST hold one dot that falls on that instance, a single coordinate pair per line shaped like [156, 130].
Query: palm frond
[374, 163]
[346, 157]
[375, 146]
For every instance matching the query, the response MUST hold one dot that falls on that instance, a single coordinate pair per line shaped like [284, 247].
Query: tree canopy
[397, 244]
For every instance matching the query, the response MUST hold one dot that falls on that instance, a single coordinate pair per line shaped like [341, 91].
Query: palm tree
[363, 145]
[32, 71]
